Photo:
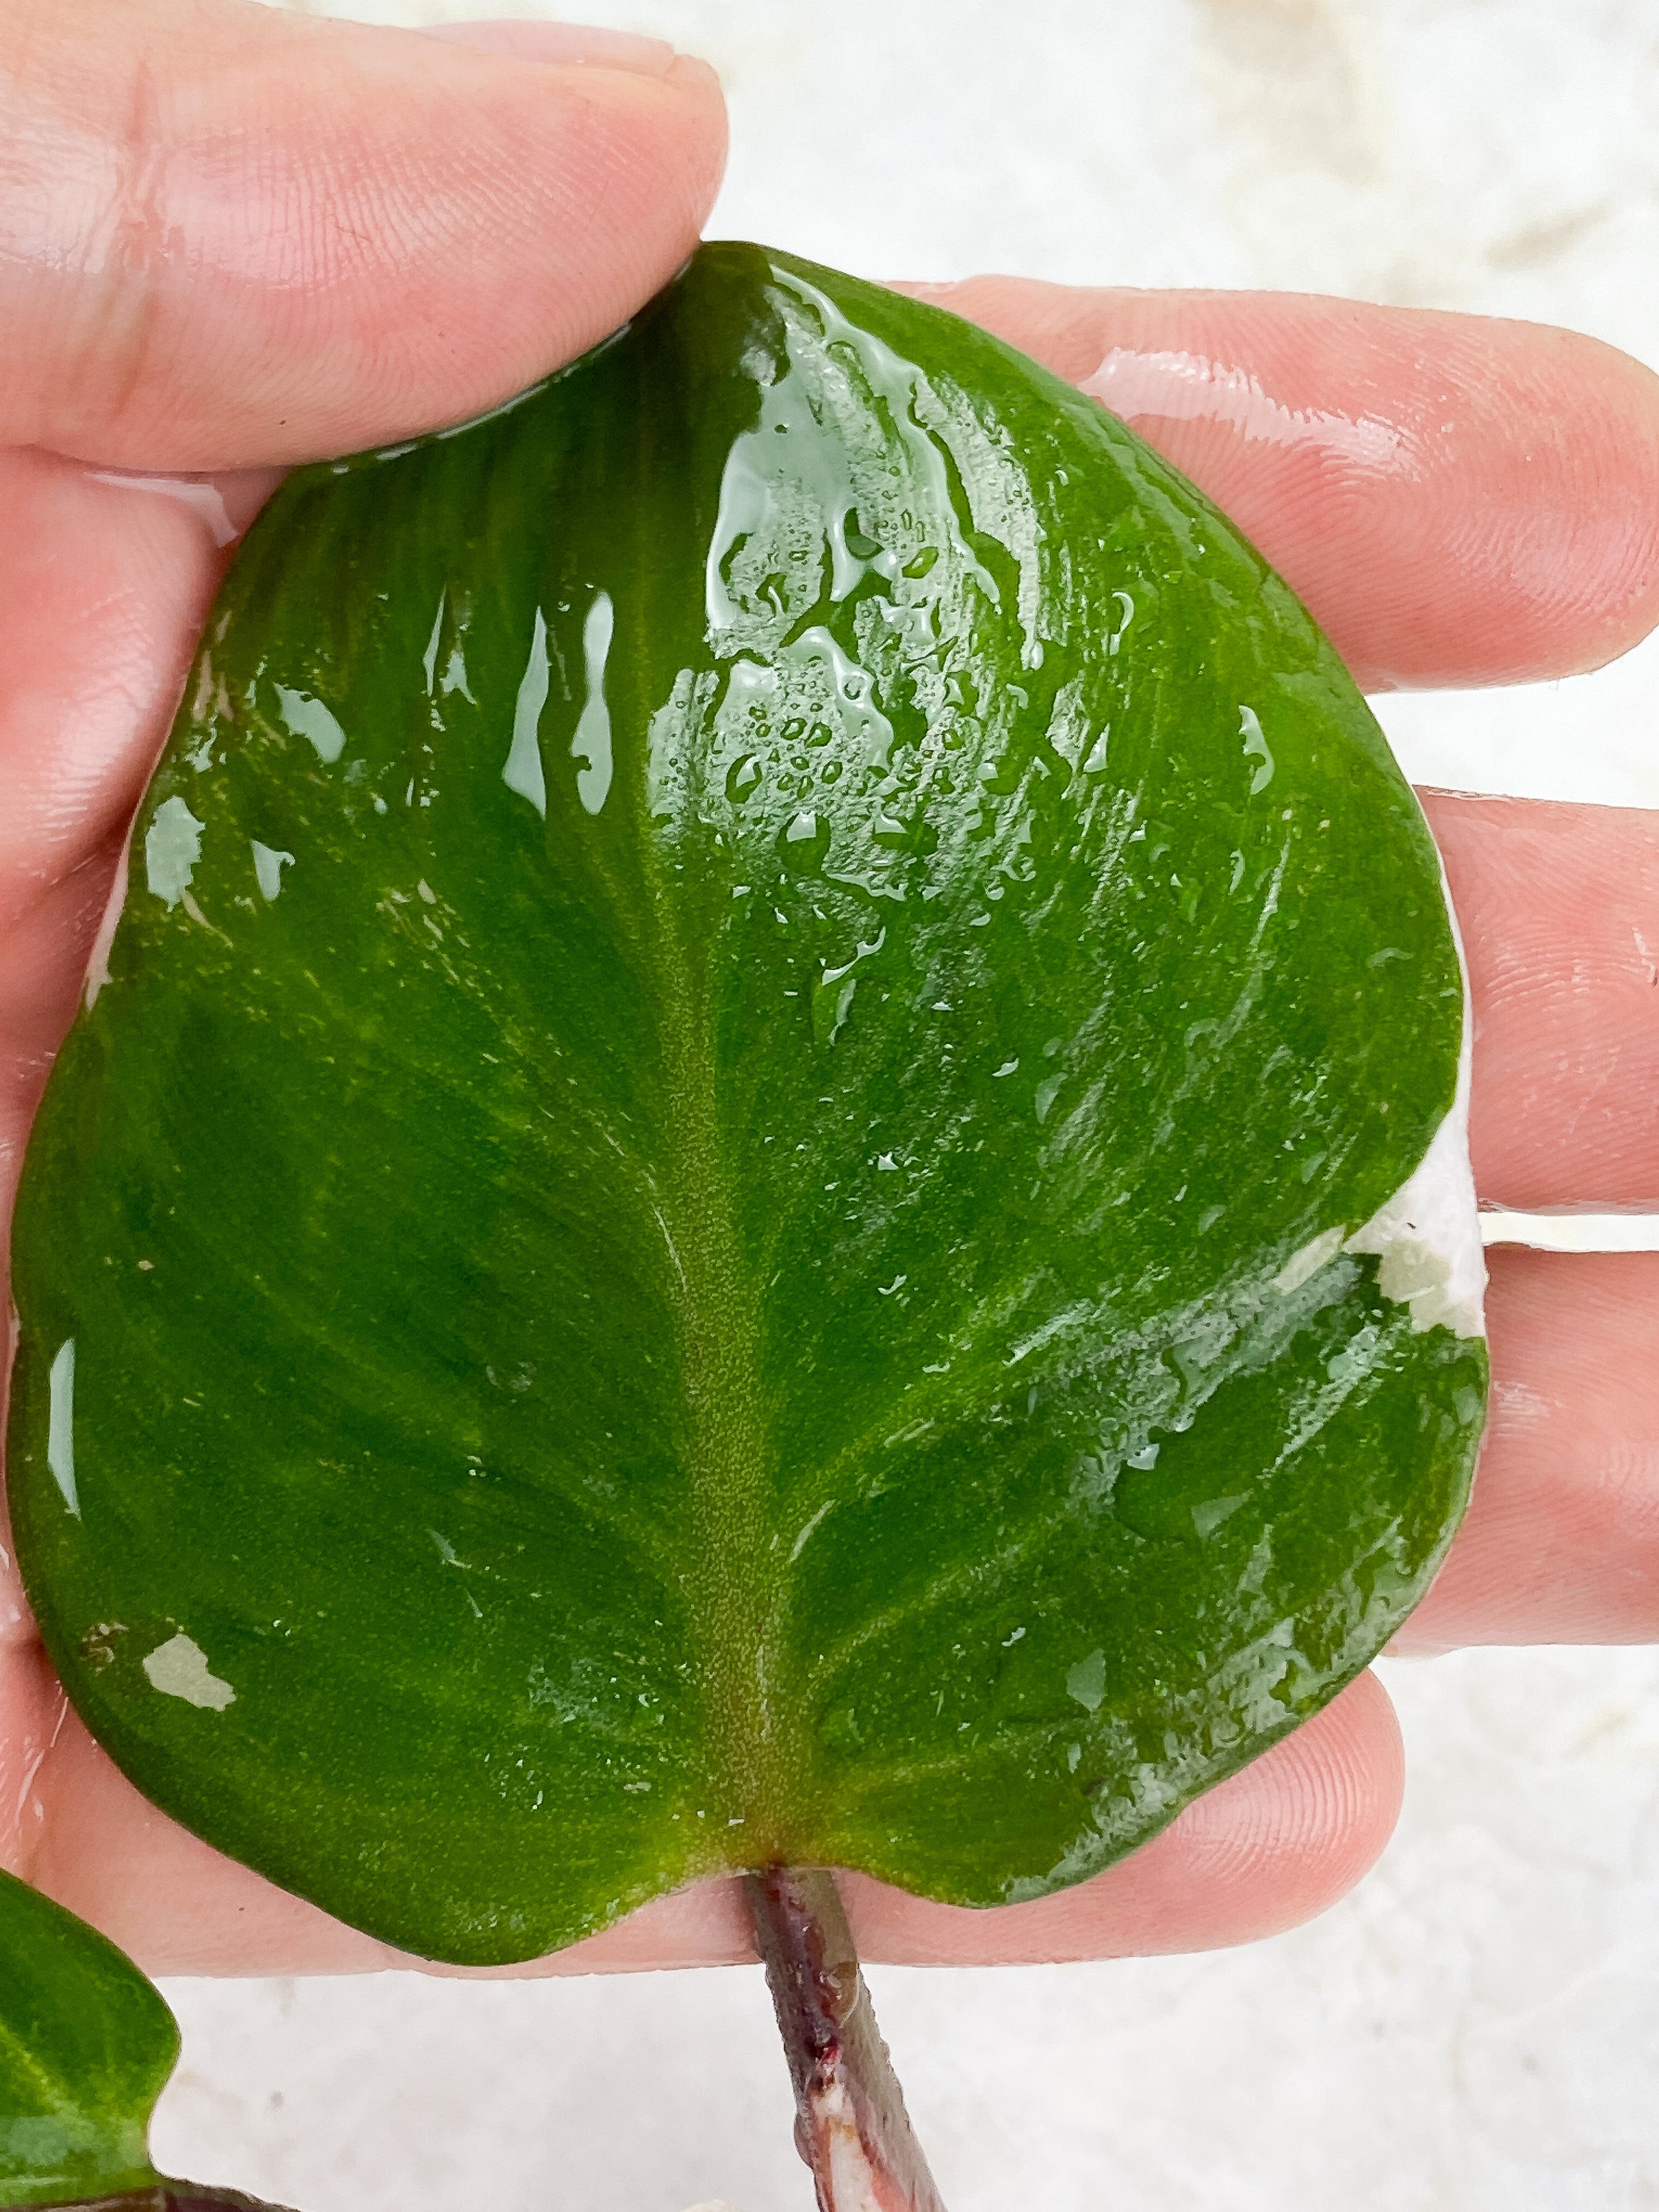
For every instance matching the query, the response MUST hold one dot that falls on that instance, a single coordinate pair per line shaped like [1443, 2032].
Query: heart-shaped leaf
[734, 1193]
[86, 2047]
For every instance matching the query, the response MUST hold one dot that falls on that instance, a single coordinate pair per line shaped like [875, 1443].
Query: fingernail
[572, 44]
[687, 69]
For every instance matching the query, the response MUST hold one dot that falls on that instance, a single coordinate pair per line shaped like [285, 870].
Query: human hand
[231, 239]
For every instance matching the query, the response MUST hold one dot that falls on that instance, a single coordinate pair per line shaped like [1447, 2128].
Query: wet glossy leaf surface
[86, 2046]
[706, 1215]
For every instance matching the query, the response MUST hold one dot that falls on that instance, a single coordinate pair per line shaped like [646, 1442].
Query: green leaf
[86, 2047]
[715, 1209]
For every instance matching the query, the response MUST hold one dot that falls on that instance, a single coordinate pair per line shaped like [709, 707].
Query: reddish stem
[851, 2126]
[169, 2197]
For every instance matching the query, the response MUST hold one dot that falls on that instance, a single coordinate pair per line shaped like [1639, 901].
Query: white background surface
[1477, 2029]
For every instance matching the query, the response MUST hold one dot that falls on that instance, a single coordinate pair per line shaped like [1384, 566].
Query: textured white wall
[1477, 2029]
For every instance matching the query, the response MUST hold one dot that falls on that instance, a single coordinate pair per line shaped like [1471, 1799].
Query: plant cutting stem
[851, 2126]
[169, 2196]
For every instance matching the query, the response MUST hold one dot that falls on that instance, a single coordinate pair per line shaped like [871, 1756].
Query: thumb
[231, 235]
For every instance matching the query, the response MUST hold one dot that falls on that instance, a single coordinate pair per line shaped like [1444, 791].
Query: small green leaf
[793, 1216]
[86, 2047]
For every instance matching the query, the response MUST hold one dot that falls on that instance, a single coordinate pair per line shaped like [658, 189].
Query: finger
[42, 961]
[1274, 1844]
[103, 590]
[33, 1709]
[1561, 1542]
[234, 235]
[1559, 911]
[1457, 500]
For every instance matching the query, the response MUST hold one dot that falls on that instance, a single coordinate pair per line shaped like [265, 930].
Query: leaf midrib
[729, 1448]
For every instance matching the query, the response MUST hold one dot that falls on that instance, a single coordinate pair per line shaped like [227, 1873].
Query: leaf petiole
[851, 2126]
